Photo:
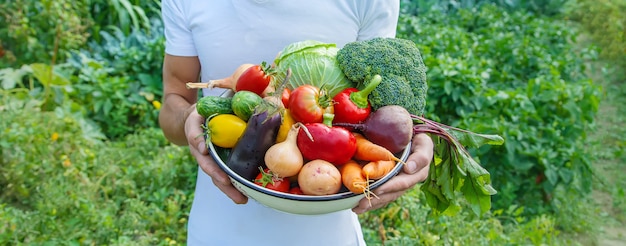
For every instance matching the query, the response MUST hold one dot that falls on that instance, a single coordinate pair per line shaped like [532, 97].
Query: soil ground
[609, 141]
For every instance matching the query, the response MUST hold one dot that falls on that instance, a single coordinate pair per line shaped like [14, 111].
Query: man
[212, 38]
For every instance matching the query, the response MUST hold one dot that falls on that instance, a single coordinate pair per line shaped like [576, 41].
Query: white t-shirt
[227, 33]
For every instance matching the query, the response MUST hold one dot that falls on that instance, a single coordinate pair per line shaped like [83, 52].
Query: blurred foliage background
[83, 160]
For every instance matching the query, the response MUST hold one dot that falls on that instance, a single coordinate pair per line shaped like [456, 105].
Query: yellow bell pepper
[283, 130]
[225, 129]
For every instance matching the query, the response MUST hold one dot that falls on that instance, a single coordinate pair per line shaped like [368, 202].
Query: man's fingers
[421, 153]
[194, 132]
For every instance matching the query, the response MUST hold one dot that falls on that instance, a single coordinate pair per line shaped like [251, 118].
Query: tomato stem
[267, 177]
[267, 69]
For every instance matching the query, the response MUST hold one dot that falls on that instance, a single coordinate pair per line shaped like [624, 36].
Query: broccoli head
[397, 61]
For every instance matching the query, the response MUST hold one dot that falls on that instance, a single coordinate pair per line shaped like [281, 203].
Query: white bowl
[302, 204]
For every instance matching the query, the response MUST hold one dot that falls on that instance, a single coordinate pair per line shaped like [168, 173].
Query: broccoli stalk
[360, 98]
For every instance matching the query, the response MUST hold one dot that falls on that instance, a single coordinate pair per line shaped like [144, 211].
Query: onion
[284, 158]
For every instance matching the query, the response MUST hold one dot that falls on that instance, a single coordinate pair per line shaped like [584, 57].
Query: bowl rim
[342, 195]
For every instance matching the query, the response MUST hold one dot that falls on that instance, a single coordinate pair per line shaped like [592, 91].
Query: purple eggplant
[249, 152]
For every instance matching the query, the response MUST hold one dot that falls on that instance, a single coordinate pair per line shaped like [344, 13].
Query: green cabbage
[312, 62]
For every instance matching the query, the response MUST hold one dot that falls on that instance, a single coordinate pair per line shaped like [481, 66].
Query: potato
[319, 177]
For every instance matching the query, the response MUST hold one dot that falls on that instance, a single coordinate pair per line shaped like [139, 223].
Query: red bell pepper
[352, 105]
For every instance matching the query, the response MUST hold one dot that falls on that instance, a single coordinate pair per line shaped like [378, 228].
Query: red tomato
[285, 97]
[255, 79]
[336, 145]
[296, 190]
[272, 182]
[308, 104]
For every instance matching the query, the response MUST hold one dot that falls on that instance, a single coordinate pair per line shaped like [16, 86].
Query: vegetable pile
[321, 120]
[400, 64]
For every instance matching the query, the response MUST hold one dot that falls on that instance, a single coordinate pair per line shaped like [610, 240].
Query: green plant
[125, 15]
[113, 82]
[41, 31]
[136, 55]
[115, 102]
[517, 75]
[62, 187]
[542, 7]
[604, 21]
[116, 79]
[105, 99]
[408, 221]
[48, 84]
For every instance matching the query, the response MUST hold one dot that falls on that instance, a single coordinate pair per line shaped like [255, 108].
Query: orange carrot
[368, 151]
[352, 177]
[377, 169]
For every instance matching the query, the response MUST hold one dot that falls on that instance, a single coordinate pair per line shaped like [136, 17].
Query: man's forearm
[178, 101]
[172, 118]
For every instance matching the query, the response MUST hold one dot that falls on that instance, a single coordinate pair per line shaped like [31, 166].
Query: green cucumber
[210, 105]
[223, 153]
[244, 102]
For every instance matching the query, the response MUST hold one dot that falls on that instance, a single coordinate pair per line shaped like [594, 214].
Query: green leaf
[47, 76]
[447, 87]
[478, 201]
[452, 209]
[444, 179]
[10, 78]
[477, 189]
[551, 175]
[471, 139]
[566, 174]
[480, 174]
[434, 198]
[106, 108]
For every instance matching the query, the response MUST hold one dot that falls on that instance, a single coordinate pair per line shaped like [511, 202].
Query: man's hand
[199, 150]
[415, 171]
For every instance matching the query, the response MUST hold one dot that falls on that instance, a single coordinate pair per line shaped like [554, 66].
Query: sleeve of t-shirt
[178, 37]
[379, 18]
